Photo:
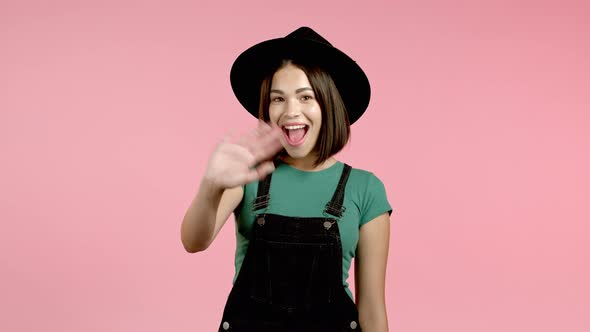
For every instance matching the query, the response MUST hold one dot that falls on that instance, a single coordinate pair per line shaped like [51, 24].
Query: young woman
[301, 214]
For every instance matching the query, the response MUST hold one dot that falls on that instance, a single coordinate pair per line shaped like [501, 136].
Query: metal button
[353, 325]
[327, 224]
[225, 326]
[260, 221]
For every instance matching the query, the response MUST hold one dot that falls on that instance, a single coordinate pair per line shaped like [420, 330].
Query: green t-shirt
[300, 193]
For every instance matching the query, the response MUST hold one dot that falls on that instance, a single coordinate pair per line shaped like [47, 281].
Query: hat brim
[260, 60]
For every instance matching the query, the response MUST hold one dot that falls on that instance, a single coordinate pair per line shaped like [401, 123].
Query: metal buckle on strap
[260, 202]
[334, 211]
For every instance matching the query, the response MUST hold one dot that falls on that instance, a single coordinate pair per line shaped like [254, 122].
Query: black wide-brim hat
[304, 46]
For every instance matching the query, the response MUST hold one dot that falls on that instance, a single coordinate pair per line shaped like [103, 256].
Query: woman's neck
[307, 163]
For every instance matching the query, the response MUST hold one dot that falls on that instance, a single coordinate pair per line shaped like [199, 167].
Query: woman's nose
[293, 109]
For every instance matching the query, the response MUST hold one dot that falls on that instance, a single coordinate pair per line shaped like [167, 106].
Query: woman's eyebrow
[296, 91]
[303, 89]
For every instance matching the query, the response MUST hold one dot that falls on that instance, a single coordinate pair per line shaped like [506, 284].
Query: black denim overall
[291, 276]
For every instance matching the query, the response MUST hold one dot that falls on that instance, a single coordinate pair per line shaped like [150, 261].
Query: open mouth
[295, 134]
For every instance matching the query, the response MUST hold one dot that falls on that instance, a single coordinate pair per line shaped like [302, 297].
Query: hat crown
[306, 33]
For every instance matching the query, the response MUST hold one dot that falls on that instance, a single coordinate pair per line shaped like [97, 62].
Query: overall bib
[291, 276]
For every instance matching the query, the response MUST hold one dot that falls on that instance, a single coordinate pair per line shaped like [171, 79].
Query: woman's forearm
[373, 319]
[198, 224]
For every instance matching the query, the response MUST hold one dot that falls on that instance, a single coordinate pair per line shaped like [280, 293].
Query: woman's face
[294, 108]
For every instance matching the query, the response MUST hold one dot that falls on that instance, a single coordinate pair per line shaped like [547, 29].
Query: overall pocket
[291, 276]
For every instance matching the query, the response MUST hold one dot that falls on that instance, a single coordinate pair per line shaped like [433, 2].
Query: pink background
[478, 126]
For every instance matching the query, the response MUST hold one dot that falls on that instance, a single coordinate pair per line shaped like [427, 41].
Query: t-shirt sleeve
[375, 200]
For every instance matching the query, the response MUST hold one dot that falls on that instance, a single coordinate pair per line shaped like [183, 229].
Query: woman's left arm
[370, 265]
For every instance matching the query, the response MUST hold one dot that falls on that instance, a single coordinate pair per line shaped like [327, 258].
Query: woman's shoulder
[371, 193]
[365, 182]
[363, 175]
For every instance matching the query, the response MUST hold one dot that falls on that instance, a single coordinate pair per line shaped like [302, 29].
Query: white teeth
[295, 127]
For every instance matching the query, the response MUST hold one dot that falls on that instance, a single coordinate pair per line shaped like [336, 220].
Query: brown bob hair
[335, 129]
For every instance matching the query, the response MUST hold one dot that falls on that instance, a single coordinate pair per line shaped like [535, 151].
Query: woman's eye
[307, 98]
[276, 99]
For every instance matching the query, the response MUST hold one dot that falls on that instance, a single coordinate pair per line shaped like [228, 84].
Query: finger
[242, 155]
[227, 137]
[262, 129]
[247, 140]
[258, 173]
[264, 169]
[251, 176]
[269, 144]
[261, 124]
[251, 139]
[265, 150]
[264, 124]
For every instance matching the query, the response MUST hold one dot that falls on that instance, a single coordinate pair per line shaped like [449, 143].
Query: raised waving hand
[246, 159]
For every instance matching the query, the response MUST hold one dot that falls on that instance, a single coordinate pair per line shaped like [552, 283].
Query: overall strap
[263, 196]
[335, 206]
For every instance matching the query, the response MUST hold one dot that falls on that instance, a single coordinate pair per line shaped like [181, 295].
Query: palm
[232, 163]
